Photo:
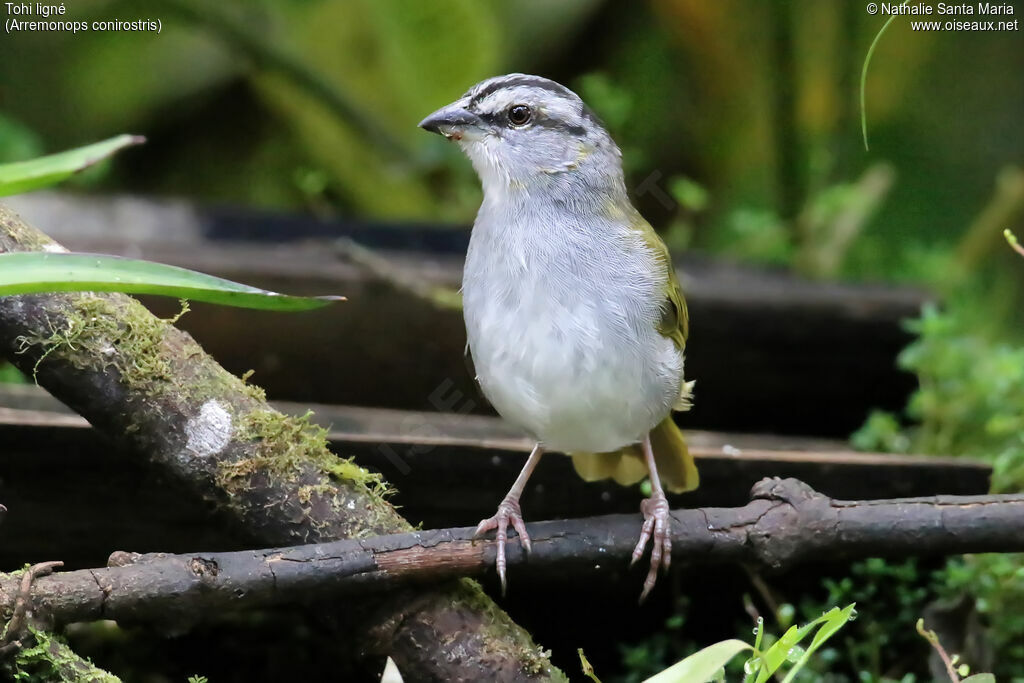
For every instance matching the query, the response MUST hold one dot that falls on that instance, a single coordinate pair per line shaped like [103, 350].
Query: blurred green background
[743, 116]
[744, 111]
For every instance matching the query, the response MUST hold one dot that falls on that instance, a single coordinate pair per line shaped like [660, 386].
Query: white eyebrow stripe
[484, 89]
[499, 100]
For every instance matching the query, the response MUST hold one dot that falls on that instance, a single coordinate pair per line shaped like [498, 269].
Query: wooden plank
[771, 352]
[29, 406]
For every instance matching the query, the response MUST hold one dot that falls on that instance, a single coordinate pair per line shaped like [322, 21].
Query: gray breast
[561, 325]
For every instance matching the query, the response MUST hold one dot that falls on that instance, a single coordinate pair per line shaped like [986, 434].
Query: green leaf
[35, 272]
[758, 634]
[701, 666]
[22, 176]
[980, 678]
[778, 653]
[833, 620]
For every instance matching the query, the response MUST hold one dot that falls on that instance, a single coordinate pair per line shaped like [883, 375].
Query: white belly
[570, 353]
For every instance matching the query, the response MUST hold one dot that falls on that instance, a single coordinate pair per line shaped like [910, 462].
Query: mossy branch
[152, 389]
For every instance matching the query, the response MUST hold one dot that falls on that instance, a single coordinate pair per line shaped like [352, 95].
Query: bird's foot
[658, 529]
[508, 513]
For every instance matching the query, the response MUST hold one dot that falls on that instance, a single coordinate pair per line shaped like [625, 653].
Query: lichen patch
[209, 432]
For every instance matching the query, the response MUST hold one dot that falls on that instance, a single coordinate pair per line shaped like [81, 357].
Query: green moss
[100, 332]
[103, 332]
[500, 629]
[289, 444]
[252, 390]
[25, 236]
[306, 493]
[50, 659]
[345, 469]
[287, 449]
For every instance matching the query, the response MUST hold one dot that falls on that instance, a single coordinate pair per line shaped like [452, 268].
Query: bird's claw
[657, 528]
[508, 513]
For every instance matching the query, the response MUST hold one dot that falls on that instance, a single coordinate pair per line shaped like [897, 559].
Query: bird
[575, 320]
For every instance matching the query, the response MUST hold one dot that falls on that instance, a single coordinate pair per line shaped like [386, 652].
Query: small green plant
[970, 401]
[883, 646]
[769, 656]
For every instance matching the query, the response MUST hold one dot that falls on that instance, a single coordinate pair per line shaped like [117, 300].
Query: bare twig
[438, 295]
[785, 524]
[933, 639]
[763, 590]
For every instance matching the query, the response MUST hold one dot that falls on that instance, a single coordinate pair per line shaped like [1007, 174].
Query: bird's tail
[626, 466]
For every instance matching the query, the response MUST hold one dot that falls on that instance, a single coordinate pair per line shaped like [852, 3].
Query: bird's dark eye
[519, 114]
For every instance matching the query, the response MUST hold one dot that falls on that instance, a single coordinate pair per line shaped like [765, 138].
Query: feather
[676, 468]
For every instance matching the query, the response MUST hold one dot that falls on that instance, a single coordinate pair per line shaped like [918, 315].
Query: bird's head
[521, 130]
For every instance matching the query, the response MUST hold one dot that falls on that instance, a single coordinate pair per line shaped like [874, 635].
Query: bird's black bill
[444, 120]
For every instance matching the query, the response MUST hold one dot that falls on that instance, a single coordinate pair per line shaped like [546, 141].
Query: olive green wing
[675, 318]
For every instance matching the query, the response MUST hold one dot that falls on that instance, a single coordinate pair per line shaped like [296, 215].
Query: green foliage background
[690, 89]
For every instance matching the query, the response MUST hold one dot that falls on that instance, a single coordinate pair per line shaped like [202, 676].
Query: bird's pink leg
[509, 513]
[657, 525]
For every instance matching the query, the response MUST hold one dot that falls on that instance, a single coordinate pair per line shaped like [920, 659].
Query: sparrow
[575, 319]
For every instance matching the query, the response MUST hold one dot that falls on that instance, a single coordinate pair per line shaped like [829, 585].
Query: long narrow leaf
[701, 666]
[778, 653]
[34, 272]
[834, 620]
[22, 176]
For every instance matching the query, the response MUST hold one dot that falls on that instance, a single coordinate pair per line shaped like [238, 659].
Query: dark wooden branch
[151, 388]
[786, 523]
